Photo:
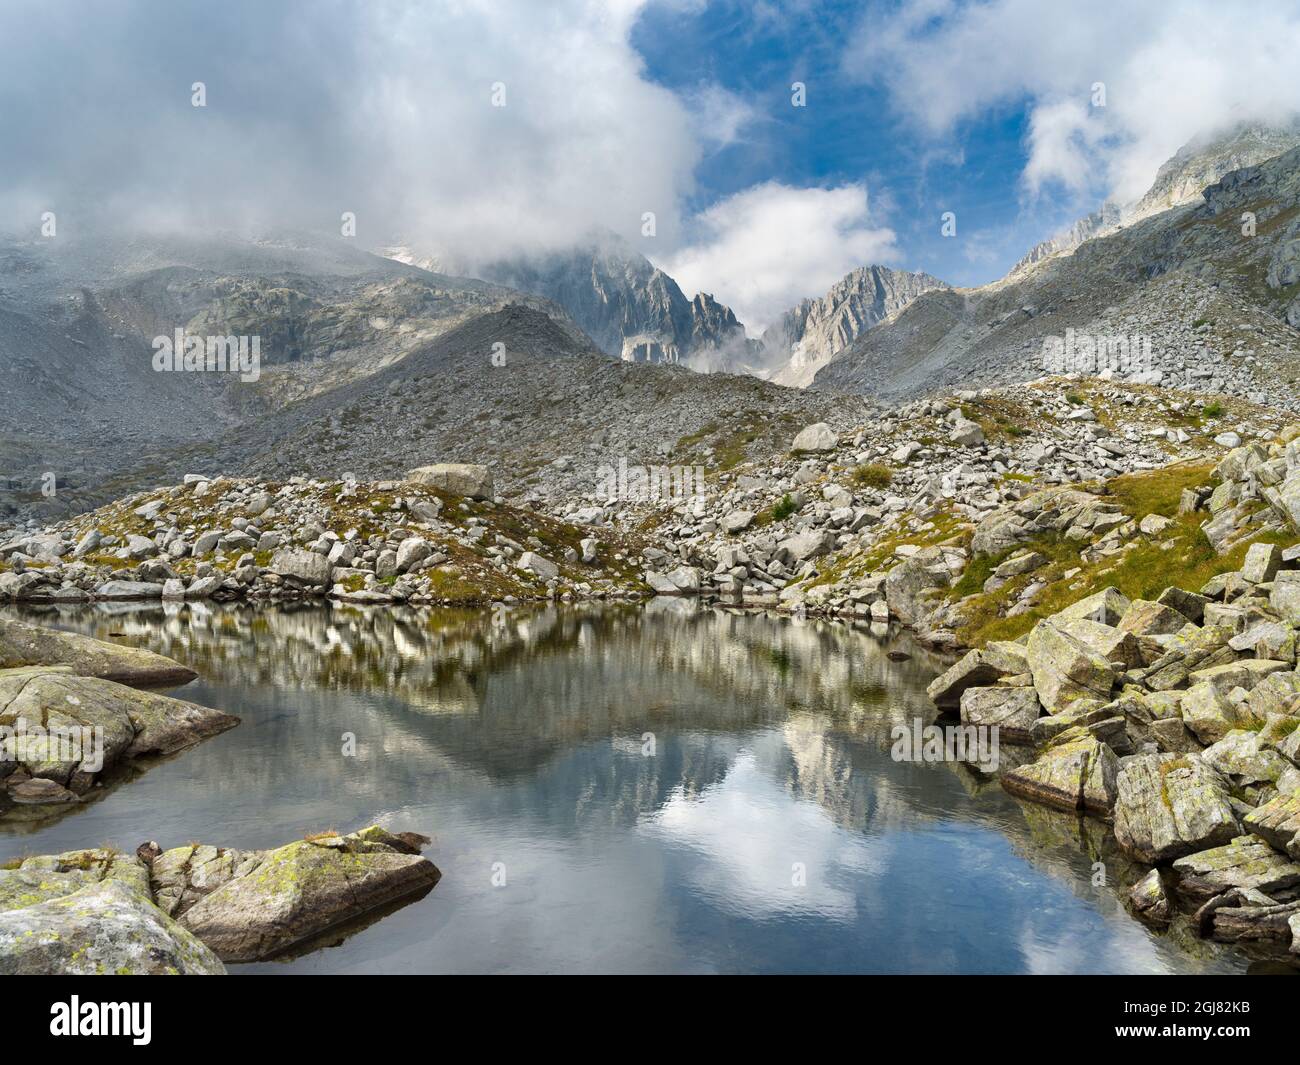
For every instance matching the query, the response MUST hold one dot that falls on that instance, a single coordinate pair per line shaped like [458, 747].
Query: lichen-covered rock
[1210, 714]
[22, 644]
[1076, 772]
[50, 876]
[1145, 617]
[1012, 711]
[1150, 900]
[1278, 822]
[1122, 649]
[1170, 805]
[1244, 674]
[261, 908]
[1278, 693]
[1245, 862]
[908, 585]
[114, 722]
[1245, 760]
[977, 668]
[106, 927]
[1106, 607]
[1064, 669]
[1246, 915]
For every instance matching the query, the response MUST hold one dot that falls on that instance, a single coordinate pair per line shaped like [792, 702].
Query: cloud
[747, 832]
[720, 116]
[764, 249]
[1171, 71]
[316, 108]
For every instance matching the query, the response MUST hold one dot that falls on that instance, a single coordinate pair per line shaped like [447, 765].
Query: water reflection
[614, 788]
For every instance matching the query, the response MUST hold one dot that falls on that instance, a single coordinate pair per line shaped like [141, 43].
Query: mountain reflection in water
[618, 788]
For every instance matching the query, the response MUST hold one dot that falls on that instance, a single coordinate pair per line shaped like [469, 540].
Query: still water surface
[614, 789]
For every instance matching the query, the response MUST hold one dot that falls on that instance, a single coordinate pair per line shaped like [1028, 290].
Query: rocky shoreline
[64, 729]
[1177, 721]
[191, 909]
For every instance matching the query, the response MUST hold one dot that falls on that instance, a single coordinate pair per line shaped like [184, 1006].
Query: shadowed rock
[1075, 773]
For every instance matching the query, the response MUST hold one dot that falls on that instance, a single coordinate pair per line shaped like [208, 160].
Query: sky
[478, 129]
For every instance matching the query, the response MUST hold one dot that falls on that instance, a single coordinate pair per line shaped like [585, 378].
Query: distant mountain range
[1207, 280]
[1180, 179]
[351, 339]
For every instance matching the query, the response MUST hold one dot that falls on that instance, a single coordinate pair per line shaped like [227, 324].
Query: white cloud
[720, 116]
[383, 109]
[1171, 71]
[764, 249]
[1062, 144]
[747, 831]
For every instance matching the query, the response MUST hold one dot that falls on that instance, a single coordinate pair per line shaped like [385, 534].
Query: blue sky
[850, 132]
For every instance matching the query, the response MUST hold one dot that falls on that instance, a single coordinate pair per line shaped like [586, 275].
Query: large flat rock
[22, 644]
[112, 723]
[252, 906]
[1246, 862]
[458, 478]
[1076, 772]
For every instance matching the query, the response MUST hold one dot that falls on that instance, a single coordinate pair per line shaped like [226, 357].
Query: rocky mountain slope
[547, 419]
[628, 306]
[1180, 179]
[1183, 296]
[808, 336]
[79, 314]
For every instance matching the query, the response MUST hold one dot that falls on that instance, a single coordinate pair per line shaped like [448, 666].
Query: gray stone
[22, 644]
[1064, 669]
[737, 521]
[531, 562]
[260, 908]
[307, 568]
[818, 437]
[457, 478]
[105, 927]
[1262, 562]
[1011, 710]
[129, 590]
[1170, 805]
[411, 551]
[1076, 772]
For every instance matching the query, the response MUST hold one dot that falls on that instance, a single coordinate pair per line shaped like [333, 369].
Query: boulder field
[1182, 732]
